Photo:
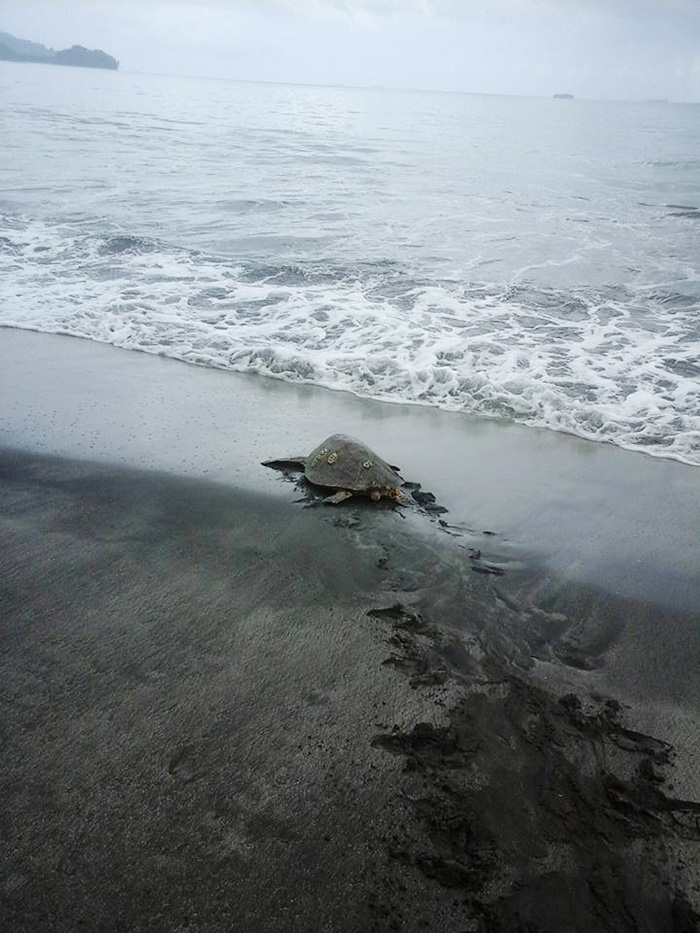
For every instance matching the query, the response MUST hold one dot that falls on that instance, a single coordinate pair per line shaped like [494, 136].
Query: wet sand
[590, 512]
[227, 707]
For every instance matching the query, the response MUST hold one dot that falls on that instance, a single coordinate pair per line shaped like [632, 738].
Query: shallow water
[531, 260]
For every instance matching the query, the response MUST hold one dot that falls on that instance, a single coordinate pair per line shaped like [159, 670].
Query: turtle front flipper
[286, 463]
[340, 496]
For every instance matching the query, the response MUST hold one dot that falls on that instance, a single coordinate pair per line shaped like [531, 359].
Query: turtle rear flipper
[340, 496]
[286, 463]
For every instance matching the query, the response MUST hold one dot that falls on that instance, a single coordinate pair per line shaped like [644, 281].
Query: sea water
[526, 259]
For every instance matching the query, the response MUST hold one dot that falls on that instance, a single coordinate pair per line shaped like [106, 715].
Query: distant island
[13, 49]
[563, 97]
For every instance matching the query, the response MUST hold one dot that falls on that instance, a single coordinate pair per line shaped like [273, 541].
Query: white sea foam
[610, 364]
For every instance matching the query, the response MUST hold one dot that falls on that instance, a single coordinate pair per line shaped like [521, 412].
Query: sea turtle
[346, 465]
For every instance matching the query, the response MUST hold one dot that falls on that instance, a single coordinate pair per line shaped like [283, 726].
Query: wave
[614, 364]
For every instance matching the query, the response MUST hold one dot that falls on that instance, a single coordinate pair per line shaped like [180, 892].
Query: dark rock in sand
[541, 814]
[427, 501]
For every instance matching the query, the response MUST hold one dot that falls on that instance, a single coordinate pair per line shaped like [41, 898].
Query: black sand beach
[226, 707]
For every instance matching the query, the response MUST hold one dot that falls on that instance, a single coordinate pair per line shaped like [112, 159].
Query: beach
[229, 706]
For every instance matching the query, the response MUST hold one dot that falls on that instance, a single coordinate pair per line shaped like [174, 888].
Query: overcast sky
[616, 49]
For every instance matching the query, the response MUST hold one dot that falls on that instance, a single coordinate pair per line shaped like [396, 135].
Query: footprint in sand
[181, 765]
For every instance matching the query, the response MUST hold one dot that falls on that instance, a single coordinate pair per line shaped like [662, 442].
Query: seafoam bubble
[612, 364]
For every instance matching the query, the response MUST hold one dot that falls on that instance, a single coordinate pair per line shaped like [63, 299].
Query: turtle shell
[341, 462]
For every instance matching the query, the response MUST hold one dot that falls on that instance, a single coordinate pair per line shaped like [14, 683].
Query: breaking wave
[614, 364]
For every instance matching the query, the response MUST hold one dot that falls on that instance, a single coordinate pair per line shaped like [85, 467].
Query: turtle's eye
[333, 458]
[367, 464]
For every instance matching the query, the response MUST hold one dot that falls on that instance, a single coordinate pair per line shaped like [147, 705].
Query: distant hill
[13, 49]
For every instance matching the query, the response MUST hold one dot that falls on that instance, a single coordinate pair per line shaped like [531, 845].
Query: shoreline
[476, 417]
[225, 707]
[594, 513]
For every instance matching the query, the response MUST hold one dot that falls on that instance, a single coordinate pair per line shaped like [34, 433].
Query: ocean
[531, 260]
